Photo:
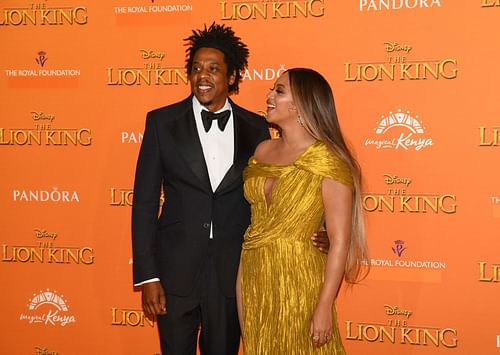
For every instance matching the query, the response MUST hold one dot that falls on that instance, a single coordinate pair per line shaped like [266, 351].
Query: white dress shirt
[218, 146]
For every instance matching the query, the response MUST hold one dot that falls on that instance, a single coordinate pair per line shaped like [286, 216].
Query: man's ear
[232, 78]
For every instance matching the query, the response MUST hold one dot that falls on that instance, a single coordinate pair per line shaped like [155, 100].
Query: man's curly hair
[223, 38]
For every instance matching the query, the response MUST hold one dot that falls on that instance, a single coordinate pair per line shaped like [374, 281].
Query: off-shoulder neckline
[255, 161]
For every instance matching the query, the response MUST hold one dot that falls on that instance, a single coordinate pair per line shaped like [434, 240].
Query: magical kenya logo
[48, 308]
[400, 131]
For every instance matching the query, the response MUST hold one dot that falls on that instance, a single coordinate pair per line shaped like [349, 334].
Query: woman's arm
[337, 201]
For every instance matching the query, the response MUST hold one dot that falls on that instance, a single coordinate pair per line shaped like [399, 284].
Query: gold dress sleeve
[327, 164]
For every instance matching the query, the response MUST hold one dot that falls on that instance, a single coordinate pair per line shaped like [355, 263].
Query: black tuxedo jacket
[174, 245]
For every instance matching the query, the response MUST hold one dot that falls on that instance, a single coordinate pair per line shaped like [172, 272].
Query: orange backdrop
[416, 88]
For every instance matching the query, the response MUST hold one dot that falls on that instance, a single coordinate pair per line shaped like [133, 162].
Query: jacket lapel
[188, 143]
[245, 136]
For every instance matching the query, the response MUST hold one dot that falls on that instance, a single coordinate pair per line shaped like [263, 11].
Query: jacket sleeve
[146, 200]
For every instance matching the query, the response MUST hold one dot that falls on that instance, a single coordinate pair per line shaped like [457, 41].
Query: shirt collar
[198, 107]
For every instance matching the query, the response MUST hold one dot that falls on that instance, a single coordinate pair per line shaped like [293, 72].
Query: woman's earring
[299, 120]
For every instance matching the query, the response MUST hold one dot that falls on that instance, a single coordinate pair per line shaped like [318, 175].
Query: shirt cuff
[146, 282]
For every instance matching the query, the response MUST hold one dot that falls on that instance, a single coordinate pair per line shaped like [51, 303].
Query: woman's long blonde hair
[313, 98]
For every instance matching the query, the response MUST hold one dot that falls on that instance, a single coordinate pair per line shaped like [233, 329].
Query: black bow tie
[221, 117]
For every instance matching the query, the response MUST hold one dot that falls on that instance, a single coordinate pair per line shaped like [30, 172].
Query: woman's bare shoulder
[263, 149]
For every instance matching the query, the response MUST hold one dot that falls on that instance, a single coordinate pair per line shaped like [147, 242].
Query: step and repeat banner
[416, 88]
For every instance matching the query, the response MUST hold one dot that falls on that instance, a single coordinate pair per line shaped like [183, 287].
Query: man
[186, 259]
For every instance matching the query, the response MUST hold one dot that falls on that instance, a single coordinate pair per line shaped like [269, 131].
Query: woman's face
[280, 105]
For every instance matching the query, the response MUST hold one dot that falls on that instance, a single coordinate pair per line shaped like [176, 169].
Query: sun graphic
[399, 119]
[48, 297]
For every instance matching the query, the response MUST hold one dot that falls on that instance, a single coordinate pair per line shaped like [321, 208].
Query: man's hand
[320, 240]
[154, 301]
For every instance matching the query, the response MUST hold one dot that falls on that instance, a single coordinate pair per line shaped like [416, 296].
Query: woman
[286, 288]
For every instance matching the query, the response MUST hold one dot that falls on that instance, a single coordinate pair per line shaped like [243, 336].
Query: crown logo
[41, 58]
[399, 247]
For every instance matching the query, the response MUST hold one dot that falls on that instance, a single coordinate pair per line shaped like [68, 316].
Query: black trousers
[206, 314]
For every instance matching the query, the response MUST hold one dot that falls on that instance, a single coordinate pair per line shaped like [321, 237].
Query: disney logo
[389, 180]
[395, 311]
[149, 54]
[37, 116]
[41, 233]
[396, 47]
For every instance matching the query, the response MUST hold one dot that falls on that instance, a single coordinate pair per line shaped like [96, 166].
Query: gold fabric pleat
[282, 272]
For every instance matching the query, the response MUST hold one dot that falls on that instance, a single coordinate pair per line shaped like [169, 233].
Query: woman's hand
[321, 325]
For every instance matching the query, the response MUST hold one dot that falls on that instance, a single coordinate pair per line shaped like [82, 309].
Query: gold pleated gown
[281, 271]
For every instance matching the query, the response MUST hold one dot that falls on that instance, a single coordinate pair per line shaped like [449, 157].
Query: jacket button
[206, 225]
